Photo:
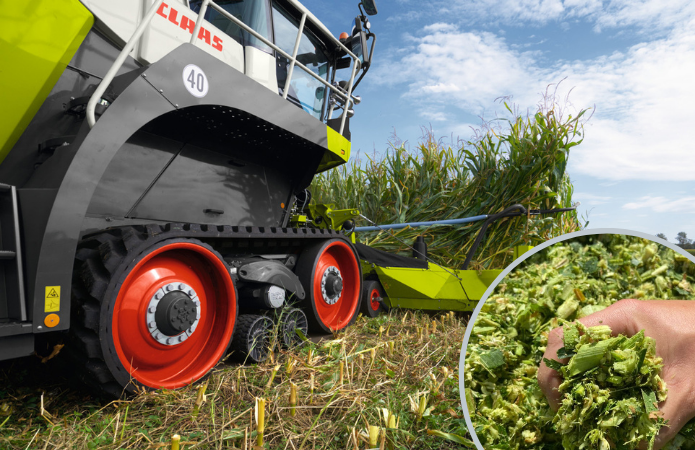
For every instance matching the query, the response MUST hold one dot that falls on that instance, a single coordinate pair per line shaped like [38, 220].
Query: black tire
[289, 320]
[253, 337]
[101, 346]
[372, 303]
[330, 311]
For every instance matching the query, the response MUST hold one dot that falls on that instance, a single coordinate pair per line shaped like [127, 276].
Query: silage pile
[554, 287]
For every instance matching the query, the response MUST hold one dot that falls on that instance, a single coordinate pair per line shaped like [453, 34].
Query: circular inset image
[586, 342]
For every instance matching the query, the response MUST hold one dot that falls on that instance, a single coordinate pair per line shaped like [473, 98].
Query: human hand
[672, 324]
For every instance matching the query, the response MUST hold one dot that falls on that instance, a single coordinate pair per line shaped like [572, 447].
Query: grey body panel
[16, 346]
[279, 151]
[272, 272]
[200, 186]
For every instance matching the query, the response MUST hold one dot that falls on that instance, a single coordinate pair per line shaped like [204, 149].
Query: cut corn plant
[522, 162]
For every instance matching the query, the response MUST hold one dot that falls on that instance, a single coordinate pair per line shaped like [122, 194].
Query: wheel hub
[331, 285]
[173, 313]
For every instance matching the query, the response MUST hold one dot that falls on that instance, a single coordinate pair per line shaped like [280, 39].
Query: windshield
[304, 89]
[253, 13]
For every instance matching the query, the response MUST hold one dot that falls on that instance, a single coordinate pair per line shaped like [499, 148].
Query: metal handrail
[108, 78]
[293, 59]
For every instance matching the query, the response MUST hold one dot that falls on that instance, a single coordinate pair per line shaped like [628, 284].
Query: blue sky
[443, 63]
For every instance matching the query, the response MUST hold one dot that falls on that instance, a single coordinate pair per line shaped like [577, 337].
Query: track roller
[332, 278]
[372, 299]
[253, 337]
[290, 320]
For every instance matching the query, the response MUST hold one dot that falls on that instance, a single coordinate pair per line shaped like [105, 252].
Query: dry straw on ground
[403, 382]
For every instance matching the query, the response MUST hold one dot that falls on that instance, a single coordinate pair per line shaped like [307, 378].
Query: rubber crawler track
[100, 255]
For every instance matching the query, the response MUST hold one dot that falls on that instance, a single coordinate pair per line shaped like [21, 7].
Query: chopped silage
[558, 285]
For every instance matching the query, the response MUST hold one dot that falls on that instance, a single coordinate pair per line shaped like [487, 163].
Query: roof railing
[345, 95]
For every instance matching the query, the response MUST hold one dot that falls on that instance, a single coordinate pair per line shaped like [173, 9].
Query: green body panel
[37, 40]
[521, 249]
[338, 151]
[434, 288]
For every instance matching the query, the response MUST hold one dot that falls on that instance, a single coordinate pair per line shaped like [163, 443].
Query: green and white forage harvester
[154, 160]
[151, 157]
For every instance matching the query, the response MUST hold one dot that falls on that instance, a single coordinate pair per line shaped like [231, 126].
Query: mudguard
[272, 272]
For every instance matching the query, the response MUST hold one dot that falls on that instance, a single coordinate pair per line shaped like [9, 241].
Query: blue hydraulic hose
[398, 226]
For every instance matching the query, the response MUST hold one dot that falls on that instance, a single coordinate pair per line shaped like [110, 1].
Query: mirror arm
[371, 50]
[368, 64]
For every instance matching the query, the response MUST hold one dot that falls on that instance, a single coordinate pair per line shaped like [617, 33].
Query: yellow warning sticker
[52, 299]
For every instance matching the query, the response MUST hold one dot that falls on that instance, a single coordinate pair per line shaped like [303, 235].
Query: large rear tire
[150, 316]
[332, 279]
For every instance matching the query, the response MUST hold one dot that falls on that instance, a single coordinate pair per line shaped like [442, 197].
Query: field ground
[399, 369]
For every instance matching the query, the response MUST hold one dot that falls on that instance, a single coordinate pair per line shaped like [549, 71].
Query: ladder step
[7, 255]
[5, 187]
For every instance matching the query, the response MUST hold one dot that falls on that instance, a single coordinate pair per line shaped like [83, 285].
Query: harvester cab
[150, 164]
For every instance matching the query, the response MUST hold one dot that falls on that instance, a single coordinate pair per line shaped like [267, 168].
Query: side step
[12, 294]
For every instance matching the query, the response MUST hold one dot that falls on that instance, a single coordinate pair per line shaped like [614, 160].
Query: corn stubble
[611, 384]
[402, 395]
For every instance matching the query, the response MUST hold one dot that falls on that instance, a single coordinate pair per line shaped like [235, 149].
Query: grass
[403, 364]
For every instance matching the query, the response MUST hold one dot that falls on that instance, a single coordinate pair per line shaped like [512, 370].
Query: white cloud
[590, 199]
[643, 100]
[662, 204]
[406, 16]
[434, 116]
[643, 96]
[448, 66]
[648, 15]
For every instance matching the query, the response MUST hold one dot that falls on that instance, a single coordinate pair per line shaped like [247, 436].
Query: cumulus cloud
[643, 95]
[663, 204]
[448, 66]
[647, 15]
[590, 199]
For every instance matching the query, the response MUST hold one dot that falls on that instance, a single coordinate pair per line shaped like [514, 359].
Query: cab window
[304, 90]
[254, 13]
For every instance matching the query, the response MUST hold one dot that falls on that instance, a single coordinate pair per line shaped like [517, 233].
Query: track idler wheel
[331, 276]
[253, 337]
[290, 320]
[152, 316]
[372, 299]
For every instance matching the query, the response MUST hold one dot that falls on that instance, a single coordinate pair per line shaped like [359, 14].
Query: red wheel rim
[373, 302]
[163, 366]
[338, 315]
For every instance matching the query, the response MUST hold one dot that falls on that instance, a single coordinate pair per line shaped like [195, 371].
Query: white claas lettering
[188, 24]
